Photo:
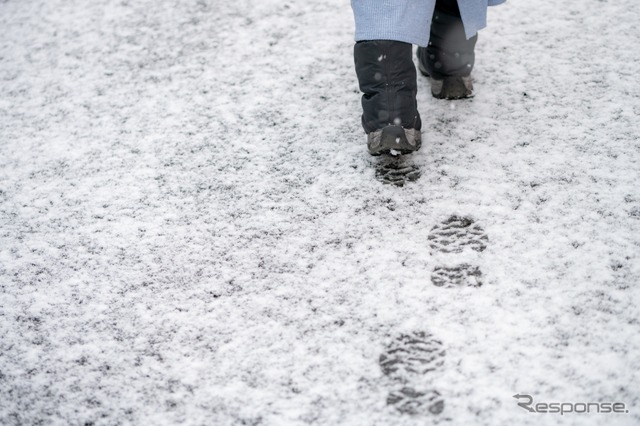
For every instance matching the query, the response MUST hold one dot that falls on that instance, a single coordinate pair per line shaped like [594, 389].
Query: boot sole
[394, 138]
[451, 88]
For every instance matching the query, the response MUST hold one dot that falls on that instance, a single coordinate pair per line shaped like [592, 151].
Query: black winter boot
[387, 77]
[449, 58]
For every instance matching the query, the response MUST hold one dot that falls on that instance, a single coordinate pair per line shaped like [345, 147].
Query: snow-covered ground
[191, 230]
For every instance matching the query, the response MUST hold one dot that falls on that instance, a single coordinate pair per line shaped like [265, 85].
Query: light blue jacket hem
[410, 20]
[389, 35]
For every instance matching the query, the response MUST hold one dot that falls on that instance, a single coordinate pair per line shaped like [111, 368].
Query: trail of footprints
[411, 360]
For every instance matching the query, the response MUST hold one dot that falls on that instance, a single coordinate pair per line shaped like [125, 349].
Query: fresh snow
[192, 231]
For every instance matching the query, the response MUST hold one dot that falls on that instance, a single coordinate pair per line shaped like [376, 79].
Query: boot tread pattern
[408, 360]
[457, 276]
[456, 233]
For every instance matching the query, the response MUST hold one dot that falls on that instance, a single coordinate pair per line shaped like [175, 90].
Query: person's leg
[387, 78]
[385, 32]
[449, 58]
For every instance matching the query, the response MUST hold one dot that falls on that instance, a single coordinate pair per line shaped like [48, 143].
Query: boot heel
[394, 138]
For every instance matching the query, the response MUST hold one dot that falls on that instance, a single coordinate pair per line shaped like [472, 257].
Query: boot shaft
[387, 78]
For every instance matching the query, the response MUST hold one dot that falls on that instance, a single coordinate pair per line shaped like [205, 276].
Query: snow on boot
[449, 58]
[387, 78]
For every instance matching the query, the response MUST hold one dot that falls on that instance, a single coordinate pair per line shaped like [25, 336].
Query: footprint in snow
[457, 276]
[453, 236]
[409, 361]
[396, 170]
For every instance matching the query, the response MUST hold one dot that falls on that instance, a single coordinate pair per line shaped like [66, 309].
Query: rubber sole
[452, 87]
[394, 139]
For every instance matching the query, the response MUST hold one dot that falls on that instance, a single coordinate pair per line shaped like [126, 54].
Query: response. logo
[526, 402]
